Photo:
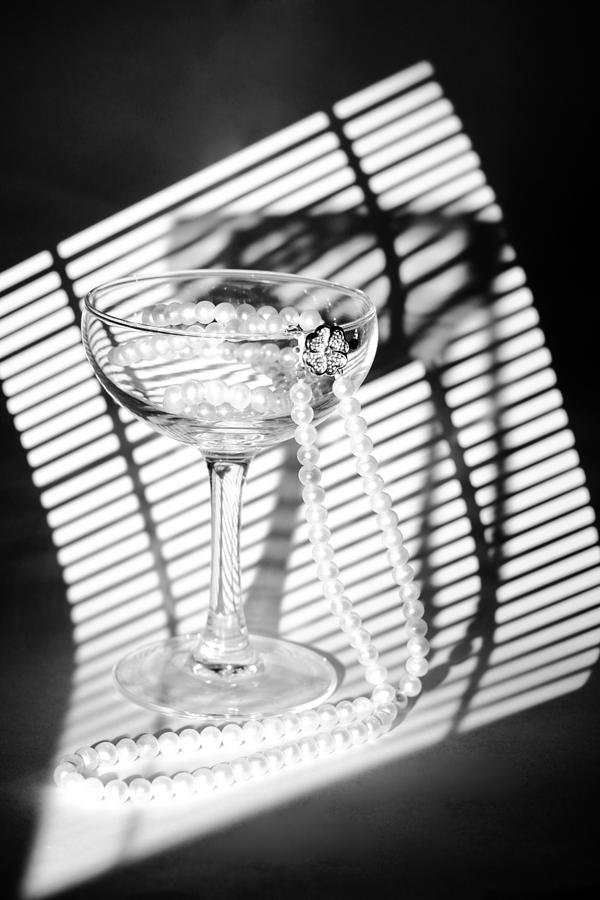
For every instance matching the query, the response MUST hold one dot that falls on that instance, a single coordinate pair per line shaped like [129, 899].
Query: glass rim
[183, 274]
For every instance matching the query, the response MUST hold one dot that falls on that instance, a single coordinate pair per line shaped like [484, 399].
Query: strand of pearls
[291, 739]
[224, 318]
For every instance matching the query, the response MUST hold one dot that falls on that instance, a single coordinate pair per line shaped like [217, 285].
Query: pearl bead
[258, 764]
[288, 358]
[184, 784]
[341, 738]
[308, 455]
[173, 401]
[340, 605]
[291, 724]
[392, 539]
[289, 316]
[306, 434]
[388, 520]
[126, 750]
[418, 646]
[215, 392]
[204, 780]
[390, 710]
[223, 773]
[116, 791]
[224, 312]
[259, 399]
[168, 743]
[275, 758]
[162, 787]
[368, 655]
[410, 593]
[274, 728]
[376, 673]
[349, 621]
[309, 720]
[322, 552]
[363, 707]
[413, 609]
[349, 406]
[374, 727]
[417, 665]
[244, 310]
[241, 768]
[302, 415]
[358, 732]
[107, 752]
[403, 574]
[205, 312]
[318, 534]
[210, 737]
[367, 466]
[309, 476]
[310, 319]
[327, 569]
[89, 757]
[189, 740]
[361, 446]
[325, 742]
[61, 771]
[372, 484]
[383, 693]
[308, 748]
[71, 781]
[346, 711]
[328, 715]
[254, 731]
[300, 393]
[291, 753]
[188, 312]
[410, 685]
[147, 746]
[397, 555]
[232, 735]
[343, 387]
[239, 396]
[359, 638]
[174, 314]
[140, 790]
[355, 425]
[333, 587]
[415, 627]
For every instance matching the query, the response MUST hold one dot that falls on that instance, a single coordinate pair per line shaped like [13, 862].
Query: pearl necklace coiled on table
[290, 738]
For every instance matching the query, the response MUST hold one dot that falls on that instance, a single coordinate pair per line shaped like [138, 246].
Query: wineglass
[208, 357]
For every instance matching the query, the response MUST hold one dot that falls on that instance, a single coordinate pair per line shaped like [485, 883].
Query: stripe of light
[37, 330]
[182, 190]
[296, 166]
[523, 479]
[582, 585]
[407, 137]
[26, 269]
[26, 360]
[374, 120]
[20, 298]
[356, 103]
[77, 486]
[78, 459]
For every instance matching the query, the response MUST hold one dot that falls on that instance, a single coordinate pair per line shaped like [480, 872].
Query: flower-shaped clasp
[326, 350]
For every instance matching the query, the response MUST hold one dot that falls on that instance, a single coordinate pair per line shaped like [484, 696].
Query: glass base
[165, 677]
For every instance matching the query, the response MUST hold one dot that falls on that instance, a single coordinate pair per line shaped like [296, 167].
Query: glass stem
[224, 645]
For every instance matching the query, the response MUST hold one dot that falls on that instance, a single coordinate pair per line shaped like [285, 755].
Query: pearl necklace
[290, 738]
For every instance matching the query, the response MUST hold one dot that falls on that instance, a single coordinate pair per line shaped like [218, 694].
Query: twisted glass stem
[224, 645]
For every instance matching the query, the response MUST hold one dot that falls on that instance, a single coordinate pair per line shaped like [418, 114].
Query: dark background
[103, 105]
